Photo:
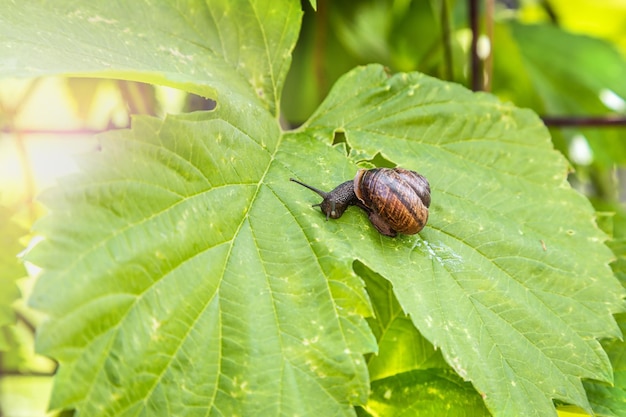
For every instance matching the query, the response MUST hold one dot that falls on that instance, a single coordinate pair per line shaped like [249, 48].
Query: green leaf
[610, 400]
[478, 282]
[172, 280]
[407, 373]
[401, 348]
[425, 393]
[237, 48]
[183, 274]
[10, 270]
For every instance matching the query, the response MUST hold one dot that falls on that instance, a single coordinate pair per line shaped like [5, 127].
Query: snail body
[396, 200]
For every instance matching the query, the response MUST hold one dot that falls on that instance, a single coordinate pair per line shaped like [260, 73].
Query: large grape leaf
[184, 274]
[179, 296]
[237, 48]
[505, 289]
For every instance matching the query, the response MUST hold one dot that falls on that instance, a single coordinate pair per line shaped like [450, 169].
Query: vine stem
[477, 82]
[584, 121]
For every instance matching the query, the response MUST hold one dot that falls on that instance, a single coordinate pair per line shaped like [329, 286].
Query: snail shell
[398, 199]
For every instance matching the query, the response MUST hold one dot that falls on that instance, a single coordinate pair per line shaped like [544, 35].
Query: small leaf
[425, 393]
[610, 400]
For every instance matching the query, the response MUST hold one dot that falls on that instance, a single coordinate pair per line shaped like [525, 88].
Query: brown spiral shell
[397, 197]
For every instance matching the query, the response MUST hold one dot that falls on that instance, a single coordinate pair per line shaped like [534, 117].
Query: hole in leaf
[340, 138]
[198, 103]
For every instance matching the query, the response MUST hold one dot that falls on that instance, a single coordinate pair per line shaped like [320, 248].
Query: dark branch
[476, 74]
[566, 121]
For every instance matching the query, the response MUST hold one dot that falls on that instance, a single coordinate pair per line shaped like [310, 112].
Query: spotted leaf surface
[184, 274]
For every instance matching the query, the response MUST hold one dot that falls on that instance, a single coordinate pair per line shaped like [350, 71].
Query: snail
[396, 200]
